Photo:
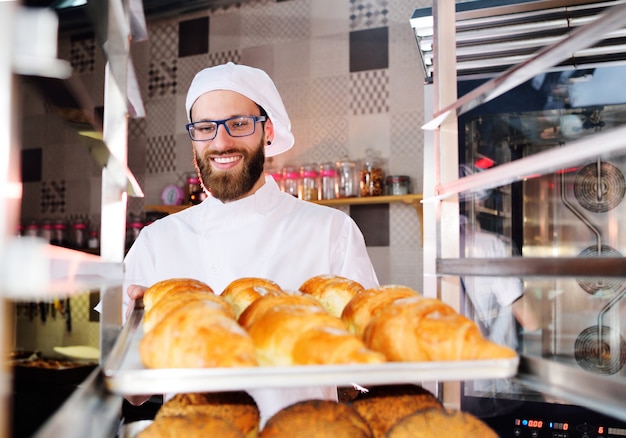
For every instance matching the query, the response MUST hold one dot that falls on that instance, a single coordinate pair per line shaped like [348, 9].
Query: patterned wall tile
[284, 55]
[329, 55]
[53, 197]
[161, 154]
[365, 14]
[369, 49]
[296, 98]
[369, 92]
[162, 78]
[82, 54]
[31, 201]
[406, 148]
[193, 37]
[225, 32]
[330, 138]
[268, 22]
[161, 117]
[329, 96]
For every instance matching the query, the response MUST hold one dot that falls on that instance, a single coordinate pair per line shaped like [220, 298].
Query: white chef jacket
[269, 234]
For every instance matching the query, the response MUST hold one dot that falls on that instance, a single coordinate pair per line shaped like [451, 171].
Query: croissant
[242, 292]
[197, 335]
[360, 309]
[332, 291]
[425, 329]
[306, 335]
[171, 286]
[262, 304]
[153, 315]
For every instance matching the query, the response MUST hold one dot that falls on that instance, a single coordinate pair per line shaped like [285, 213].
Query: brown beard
[229, 186]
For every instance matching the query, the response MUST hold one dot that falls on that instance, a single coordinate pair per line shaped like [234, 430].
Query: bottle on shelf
[291, 180]
[328, 181]
[372, 175]
[347, 179]
[309, 182]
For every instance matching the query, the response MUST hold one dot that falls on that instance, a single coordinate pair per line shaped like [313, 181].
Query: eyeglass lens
[237, 127]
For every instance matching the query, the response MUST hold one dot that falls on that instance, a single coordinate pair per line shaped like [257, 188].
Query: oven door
[576, 212]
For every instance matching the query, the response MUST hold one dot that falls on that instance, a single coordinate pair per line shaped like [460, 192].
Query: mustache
[213, 153]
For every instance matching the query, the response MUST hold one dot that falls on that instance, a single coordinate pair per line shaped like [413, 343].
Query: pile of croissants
[329, 320]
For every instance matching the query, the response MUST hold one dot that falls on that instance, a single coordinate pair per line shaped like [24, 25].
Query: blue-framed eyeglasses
[239, 126]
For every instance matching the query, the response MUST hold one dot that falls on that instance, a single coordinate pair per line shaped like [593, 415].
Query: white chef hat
[256, 85]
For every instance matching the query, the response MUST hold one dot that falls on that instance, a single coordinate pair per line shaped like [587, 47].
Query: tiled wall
[348, 72]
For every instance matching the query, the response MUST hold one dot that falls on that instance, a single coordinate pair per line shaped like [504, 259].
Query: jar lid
[398, 178]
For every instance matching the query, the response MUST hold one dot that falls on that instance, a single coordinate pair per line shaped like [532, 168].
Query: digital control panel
[539, 428]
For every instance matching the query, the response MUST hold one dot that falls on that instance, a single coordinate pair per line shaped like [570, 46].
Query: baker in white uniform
[246, 227]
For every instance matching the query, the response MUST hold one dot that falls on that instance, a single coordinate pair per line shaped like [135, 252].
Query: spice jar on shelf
[372, 176]
[291, 180]
[347, 179]
[193, 191]
[398, 185]
[308, 183]
[328, 181]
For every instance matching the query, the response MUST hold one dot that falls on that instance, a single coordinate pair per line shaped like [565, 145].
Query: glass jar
[31, 229]
[194, 192]
[59, 233]
[372, 177]
[45, 231]
[291, 180]
[78, 236]
[328, 181]
[309, 183]
[347, 179]
[397, 185]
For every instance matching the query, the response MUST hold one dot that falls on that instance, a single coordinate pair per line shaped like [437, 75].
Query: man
[246, 227]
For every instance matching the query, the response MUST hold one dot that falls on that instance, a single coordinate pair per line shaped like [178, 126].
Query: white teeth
[225, 160]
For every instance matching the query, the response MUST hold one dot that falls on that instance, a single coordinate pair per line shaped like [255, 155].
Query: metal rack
[443, 265]
[32, 269]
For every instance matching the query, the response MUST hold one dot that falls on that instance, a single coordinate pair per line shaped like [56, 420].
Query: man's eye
[238, 124]
[205, 128]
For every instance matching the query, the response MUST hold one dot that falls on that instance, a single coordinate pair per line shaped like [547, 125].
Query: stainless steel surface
[606, 144]
[491, 38]
[125, 374]
[528, 267]
[542, 61]
[548, 376]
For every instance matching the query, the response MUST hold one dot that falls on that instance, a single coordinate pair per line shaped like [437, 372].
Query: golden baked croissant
[306, 335]
[242, 292]
[425, 329]
[364, 306]
[332, 291]
[197, 335]
[262, 304]
[171, 286]
[170, 302]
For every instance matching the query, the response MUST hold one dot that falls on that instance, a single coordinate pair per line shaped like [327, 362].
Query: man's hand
[134, 292]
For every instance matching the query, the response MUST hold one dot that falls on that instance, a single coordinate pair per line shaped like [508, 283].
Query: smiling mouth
[226, 160]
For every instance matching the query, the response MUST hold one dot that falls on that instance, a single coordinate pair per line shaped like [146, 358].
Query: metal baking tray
[125, 374]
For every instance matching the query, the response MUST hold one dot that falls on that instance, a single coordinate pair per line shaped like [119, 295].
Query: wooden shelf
[413, 199]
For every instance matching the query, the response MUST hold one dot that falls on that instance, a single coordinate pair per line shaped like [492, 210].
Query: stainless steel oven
[540, 195]
[575, 212]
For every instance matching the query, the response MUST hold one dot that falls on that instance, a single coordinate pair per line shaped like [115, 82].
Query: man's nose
[222, 138]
